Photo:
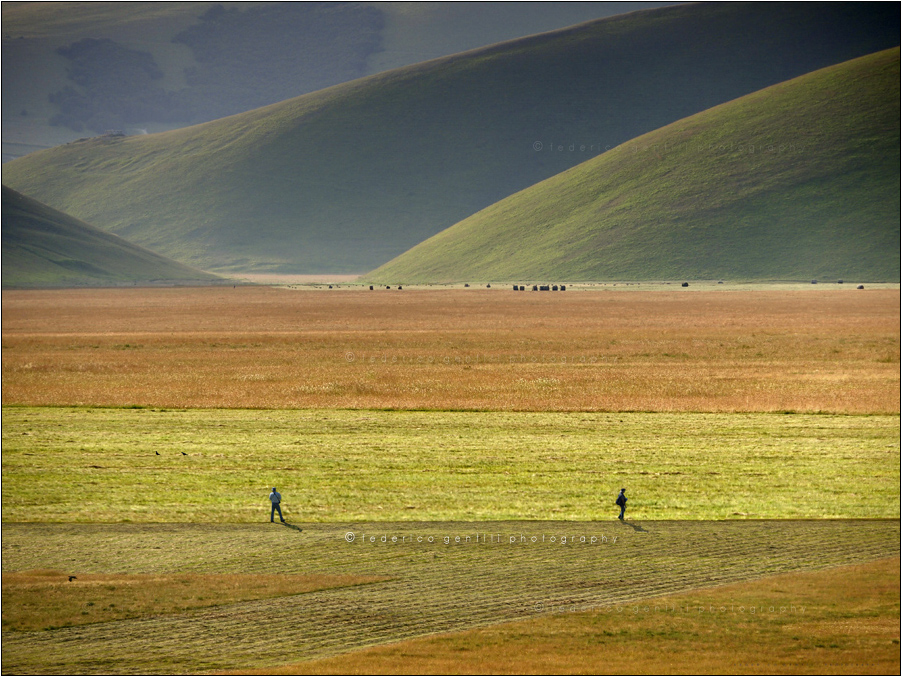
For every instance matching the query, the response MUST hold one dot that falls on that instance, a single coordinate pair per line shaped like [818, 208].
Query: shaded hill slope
[43, 247]
[345, 179]
[79, 68]
[797, 181]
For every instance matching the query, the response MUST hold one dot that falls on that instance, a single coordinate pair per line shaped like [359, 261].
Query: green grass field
[101, 465]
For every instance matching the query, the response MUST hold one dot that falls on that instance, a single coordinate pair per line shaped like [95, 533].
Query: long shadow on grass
[292, 526]
[636, 527]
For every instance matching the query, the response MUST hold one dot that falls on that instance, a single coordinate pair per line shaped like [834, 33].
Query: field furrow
[435, 587]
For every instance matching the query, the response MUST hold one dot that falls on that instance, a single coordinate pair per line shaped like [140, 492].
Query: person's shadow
[635, 527]
[292, 526]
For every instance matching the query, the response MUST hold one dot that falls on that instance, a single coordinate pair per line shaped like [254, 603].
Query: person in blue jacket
[621, 501]
[275, 498]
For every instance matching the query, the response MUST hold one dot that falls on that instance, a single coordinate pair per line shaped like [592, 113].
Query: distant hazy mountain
[344, 179]
[82, 68]
[796, 181]
[43, 247]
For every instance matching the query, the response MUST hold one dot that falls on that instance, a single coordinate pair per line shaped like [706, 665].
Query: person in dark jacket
[621, 501]
[275, 498]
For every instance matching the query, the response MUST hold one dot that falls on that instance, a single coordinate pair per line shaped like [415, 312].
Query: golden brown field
[838, 621]
[823, 349]
[47, 599]
[480, 608]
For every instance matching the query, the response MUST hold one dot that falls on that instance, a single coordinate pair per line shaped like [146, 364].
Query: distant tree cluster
[115, 86]
[245, 59]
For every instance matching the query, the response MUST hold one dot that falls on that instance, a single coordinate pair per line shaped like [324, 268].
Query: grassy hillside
[345, 179]
[798, 181]
[43, 247]
[86, 67]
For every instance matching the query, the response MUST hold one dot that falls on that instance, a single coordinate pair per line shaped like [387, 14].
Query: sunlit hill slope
[800, 180]
[347, 178]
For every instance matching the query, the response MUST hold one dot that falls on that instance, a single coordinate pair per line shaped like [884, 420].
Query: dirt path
[510, 571]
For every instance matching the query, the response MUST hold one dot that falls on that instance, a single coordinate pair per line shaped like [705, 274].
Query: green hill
[77, 68]
[347, 178]
[43, 247]
[797, 181]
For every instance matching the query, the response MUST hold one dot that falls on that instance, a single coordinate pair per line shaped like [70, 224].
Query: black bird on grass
[72, 578]
[184, 454]
[157, 453]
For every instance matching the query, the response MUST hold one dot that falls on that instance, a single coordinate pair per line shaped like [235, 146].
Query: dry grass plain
[436, 587]
[834, 622]
[820, 350]
[46, 599]
[721, 352]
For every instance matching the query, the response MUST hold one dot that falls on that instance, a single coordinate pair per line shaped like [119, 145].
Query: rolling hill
[797, 181]
[347, 178]
[84, 67]
[43, 247]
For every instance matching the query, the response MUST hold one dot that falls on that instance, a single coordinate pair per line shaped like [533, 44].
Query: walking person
[275, 498]
[621, 501]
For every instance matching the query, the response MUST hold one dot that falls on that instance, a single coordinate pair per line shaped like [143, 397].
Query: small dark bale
[535, 287]
[563, 287]
[554, 288]
[685, 284]
[516, 288]
[720, 282]
[861, 286]
[371, 287]
[387, 287]
[488, 286]
[466, 285]
[544, 287]
[839, 282]
[400, 287]
[814, 282]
